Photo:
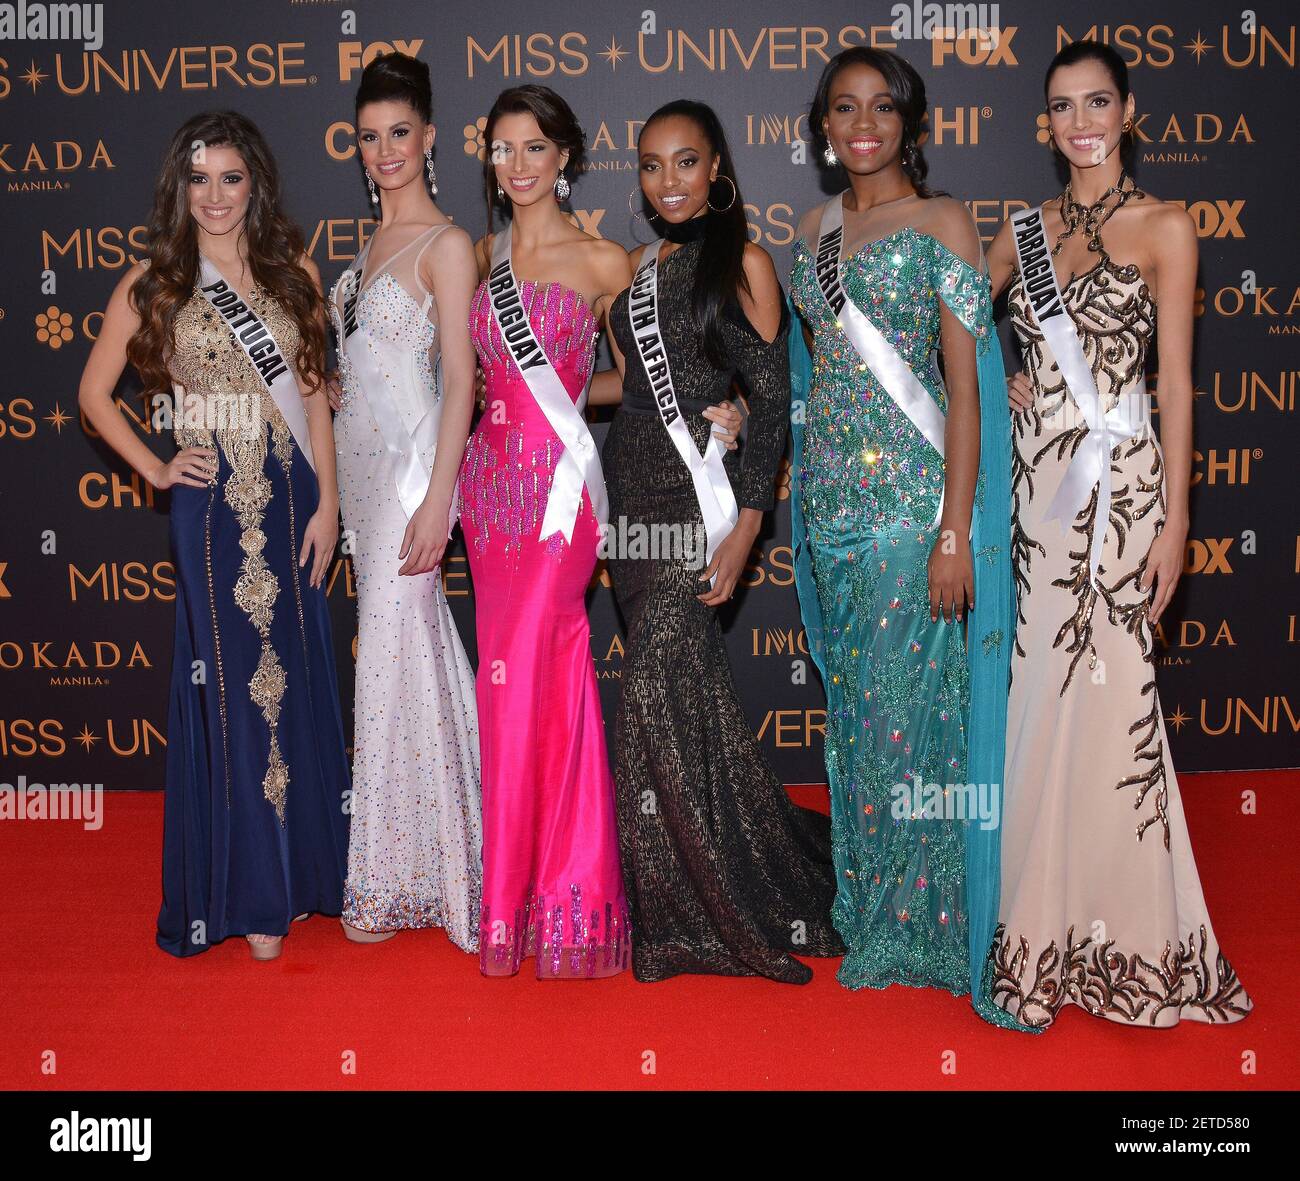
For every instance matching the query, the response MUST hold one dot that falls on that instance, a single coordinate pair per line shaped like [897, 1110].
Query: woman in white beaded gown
[406, 365]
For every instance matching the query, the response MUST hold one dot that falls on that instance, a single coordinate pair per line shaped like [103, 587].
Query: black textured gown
[724, 875]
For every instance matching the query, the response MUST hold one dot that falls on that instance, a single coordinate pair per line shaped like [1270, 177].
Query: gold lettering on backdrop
[1251, 385]
[538, 54]
[135, 492]
[190, 67]
[1273, 715]
[1152, 46]
[19, 738]
[89, 248]
[130, 581]
[792, 727]
[1256, 47]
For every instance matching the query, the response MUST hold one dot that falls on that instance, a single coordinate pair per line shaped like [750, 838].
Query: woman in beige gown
[1101, 905]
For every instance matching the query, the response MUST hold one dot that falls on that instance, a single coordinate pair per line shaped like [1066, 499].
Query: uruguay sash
[255, 338]
[406, 416]
[1090, 466]
[580, 462]
[712, 488]
[893, 373]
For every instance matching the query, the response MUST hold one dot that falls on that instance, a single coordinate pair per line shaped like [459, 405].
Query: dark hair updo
[1109, 60]
[906, 91]
[396, 77]
[557, 122]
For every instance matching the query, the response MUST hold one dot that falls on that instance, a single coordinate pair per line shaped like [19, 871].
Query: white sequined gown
[414, 857]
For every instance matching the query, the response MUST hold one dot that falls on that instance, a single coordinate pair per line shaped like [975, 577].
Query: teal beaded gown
[915, 787]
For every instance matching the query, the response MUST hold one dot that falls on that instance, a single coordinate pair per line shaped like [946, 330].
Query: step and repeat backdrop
[86, 580]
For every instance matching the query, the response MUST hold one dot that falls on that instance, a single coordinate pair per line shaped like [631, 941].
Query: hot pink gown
[552, 886]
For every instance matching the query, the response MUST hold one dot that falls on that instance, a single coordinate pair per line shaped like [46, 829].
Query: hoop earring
[1128, 125]
[636, 214]
[428, 167]
[830, 157]
[561, 187]
[729, 204]
[370, 184]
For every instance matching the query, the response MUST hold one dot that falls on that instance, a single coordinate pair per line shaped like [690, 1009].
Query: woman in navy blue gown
[227, 314]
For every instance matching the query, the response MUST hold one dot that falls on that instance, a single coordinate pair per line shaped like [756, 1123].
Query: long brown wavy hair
[275, 246]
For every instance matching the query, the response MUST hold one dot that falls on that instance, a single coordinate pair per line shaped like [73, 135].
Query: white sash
[408, 422]
[894, 373]
[580, 462]
[1090, 466]
[713, 490]
[259, 346]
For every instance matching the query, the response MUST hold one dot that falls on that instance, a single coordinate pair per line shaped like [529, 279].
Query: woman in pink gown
[552, 886]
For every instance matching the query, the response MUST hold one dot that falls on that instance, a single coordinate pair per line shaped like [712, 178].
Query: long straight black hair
[720, 269]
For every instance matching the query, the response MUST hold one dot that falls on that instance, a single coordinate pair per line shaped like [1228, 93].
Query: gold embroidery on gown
[237, 409]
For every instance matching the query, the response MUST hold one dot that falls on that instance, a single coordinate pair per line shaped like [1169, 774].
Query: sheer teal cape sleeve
[991, 624]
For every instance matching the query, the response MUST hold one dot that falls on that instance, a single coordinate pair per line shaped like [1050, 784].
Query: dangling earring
[561, 187]
[830, 157]
[909, 155]
[370, 184]
[501, 193]
[428, 167]
[730, 203]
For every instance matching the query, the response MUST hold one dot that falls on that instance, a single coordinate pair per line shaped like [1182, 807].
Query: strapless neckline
[537, 285]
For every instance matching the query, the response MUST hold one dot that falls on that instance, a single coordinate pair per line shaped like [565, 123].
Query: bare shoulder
[125, 289]
[760, 271]
[1164, 217]
[608, 262]
[308, 264]
[483, 252]
[453, 242]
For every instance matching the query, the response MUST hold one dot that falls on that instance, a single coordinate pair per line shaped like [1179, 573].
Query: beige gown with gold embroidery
[1101, 903]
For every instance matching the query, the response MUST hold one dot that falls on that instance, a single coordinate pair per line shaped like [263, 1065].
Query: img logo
[53, 22]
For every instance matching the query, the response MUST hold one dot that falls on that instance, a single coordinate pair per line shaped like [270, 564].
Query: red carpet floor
[80, 977]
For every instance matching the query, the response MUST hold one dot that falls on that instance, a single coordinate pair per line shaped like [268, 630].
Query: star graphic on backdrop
[33, 77]
[1200, 46]
[87, 737]
[1178, 719]
[58, 419]
[613, 53]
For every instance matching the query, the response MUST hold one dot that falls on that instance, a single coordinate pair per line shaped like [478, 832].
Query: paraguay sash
[580, 462]
[1090, 466]
[406, 416]
[893, 373]
[255, 338]
[712, 488]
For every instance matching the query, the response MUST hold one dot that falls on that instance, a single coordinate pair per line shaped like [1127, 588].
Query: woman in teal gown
[901, 551]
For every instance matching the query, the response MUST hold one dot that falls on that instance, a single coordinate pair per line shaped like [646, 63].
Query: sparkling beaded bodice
[511, 458]
[864, 460]
[564, 325]
[386, 312]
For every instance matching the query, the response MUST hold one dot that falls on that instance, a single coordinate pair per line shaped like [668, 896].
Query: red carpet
[83, 979]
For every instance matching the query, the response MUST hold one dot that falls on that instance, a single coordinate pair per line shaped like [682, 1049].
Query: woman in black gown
[724, 875]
